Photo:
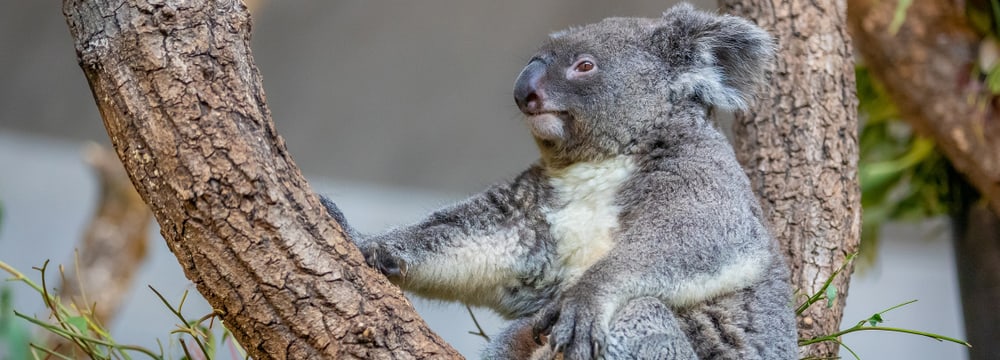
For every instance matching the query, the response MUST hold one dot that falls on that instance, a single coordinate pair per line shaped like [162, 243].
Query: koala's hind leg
[516, 342]
[644, 329]
[647, 329]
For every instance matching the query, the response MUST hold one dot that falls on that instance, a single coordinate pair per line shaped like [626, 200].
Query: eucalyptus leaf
[79, 323]
[14, 338]
[899, 15]
[831, 295]
[875, 320]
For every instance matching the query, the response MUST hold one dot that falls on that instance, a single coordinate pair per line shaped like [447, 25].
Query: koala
[636, 235]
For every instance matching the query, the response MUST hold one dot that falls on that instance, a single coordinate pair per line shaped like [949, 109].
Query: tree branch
[925, 67]
[183, 104]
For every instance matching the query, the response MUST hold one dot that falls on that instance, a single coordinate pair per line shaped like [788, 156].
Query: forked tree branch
[182, 101]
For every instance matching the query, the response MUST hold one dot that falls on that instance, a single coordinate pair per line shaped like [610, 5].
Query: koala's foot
[646, 328]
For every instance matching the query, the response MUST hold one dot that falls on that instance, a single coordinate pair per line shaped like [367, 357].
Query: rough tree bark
[925, 67]
[799, 146]
[183, 104]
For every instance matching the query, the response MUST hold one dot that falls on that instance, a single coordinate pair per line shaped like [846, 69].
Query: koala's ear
[718, 59]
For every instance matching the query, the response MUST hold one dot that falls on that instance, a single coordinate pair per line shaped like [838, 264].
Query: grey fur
[691, 271]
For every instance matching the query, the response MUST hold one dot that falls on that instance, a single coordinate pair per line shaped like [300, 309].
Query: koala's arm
[470, 251]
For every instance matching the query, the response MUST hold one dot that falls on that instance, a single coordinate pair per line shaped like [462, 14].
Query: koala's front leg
[473, 251]
[334, 211]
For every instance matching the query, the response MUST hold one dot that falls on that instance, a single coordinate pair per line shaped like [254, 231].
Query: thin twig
[834, 336]
[186, 327]
[474, 321]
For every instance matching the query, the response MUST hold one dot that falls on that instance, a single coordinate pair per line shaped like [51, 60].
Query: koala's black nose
[527, 89]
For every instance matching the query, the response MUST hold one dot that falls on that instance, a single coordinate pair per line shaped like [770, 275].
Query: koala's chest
[584, 220]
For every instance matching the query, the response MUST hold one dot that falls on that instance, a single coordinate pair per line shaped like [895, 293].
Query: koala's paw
[380, 258]
[575, 327]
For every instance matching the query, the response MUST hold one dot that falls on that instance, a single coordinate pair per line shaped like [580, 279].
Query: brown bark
[799, 148]
[183, 104]
[111, 251]
[926, 68]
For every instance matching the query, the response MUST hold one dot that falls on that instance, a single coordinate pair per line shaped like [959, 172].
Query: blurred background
[392, 108]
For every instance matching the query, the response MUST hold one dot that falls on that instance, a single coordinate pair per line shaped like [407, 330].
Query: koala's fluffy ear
[718, 59]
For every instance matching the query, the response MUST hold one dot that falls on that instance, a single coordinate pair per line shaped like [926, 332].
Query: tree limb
[183, 104]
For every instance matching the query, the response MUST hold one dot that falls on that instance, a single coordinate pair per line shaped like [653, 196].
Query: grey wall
[399, 92]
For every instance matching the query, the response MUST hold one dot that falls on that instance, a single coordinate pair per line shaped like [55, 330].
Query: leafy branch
[829, 292]
[74, 325]
[78, 325]
[872, 324]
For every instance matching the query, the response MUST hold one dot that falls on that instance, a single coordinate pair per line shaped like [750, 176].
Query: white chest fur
[586, 217]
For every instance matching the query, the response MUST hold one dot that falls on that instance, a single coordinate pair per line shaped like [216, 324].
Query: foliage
[903, 176]
[986, 21]
[77, 325]
[872, 323]
[899, 15]
[13, 336]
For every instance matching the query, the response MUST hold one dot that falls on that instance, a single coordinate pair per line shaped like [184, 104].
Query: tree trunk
[799, 147]
[183, 104]
[977, 256]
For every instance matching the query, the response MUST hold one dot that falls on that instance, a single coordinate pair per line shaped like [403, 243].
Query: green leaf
[980, 20]
[14, 338]
[209, 340]
[993, 80]
[831, 295]
[995, 5]
[78, 322]
[899, 15]
[875, 319]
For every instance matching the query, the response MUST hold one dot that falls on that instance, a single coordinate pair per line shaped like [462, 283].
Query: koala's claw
[573, 329]
[380, 259]
[543, 323]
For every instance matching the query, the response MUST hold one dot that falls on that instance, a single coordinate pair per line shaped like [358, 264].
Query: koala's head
[591, 91]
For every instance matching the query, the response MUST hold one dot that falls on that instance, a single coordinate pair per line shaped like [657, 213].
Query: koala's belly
[585, 220]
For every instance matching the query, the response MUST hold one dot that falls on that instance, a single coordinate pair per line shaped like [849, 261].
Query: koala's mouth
[549, 125]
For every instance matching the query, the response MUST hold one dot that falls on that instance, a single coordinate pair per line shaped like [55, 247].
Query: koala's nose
[527, 89]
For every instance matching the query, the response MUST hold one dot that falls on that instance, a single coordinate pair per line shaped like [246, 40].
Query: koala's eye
[584, 66]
